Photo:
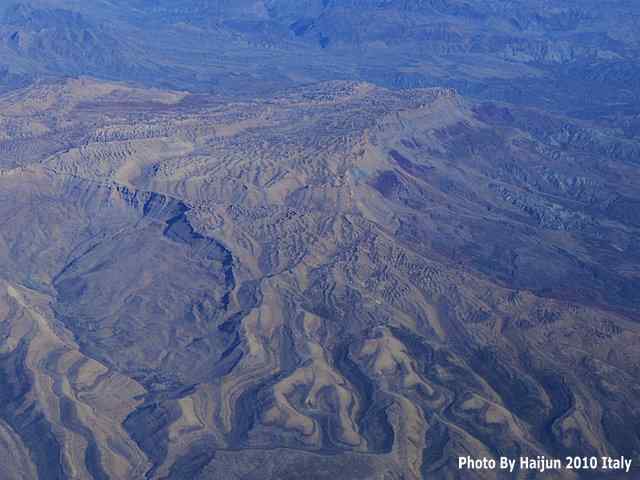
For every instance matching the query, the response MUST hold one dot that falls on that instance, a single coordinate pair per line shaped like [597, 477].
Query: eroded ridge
[338, 279]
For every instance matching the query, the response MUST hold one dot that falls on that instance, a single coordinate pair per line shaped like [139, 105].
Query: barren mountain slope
[337, 281]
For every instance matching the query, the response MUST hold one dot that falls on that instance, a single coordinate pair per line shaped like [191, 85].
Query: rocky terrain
[305, 239]
[336, 280]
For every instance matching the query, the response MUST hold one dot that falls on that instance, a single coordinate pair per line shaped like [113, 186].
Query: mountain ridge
[360, 279]
[330, 239]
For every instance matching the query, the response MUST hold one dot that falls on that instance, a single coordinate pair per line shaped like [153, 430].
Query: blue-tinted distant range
[324, 240]
[560, 54]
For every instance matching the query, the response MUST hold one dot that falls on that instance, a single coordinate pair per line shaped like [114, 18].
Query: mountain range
[337, 239]
[554, 55]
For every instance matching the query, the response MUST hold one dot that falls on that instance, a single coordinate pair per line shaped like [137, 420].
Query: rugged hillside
[336, 281]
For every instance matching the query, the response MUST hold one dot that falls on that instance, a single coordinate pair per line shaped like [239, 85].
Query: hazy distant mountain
[519, 51]
[61, 40]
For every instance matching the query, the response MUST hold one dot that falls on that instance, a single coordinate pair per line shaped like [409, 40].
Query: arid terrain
[318, 239]
[333, 281]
